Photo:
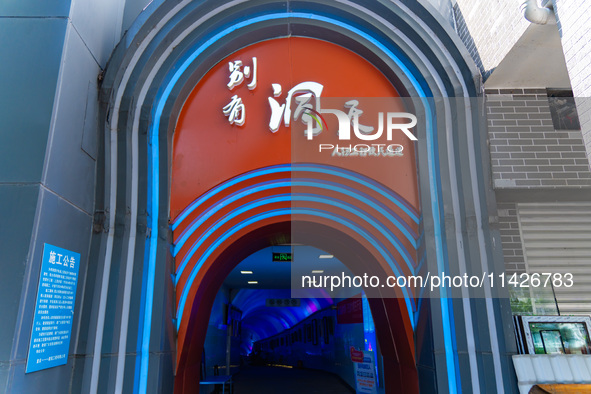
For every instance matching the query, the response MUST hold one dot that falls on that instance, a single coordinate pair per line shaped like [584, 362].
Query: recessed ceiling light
[325, 256]
[317, 271]
[253, 282]
[246, 272]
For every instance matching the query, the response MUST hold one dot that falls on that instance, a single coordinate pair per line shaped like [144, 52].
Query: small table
[213, 380]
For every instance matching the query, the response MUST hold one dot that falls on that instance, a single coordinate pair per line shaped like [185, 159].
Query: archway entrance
[159, 178]
[242, 178]
[393, 329]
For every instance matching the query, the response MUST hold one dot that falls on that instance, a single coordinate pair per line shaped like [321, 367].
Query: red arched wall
[208, 151]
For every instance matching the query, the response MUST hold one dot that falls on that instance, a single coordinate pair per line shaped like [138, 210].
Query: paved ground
[277, 380]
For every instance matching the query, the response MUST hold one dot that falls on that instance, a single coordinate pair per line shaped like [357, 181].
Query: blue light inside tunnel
[260, 321]
[369, 334]
[369, 329]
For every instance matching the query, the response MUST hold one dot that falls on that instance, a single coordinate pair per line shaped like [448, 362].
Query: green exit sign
[282, 257]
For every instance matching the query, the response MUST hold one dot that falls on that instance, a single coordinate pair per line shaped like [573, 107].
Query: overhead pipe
[536, 14]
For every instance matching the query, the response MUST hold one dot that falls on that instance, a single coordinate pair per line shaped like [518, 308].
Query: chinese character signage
[54, 310]
[235, 109]
[289, 101]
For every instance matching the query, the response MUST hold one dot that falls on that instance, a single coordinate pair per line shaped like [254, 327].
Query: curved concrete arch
[433, 64]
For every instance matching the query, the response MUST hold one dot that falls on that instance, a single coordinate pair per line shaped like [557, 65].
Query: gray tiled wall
[526, 150]
[511, 239]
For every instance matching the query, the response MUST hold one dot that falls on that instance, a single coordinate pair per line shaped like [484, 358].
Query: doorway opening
[239, 327]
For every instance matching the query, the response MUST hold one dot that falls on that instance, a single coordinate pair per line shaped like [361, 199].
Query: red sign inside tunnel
[350, 311]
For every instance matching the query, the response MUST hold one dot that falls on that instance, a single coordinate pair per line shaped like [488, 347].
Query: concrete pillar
[52, 53]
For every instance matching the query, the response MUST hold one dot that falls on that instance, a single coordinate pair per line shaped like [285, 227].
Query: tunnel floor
[277, 380]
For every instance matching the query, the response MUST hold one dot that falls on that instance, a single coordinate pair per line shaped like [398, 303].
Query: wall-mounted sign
[365, 376]
[293, 100]
[282, 257]
[54, 310]
[350, 311]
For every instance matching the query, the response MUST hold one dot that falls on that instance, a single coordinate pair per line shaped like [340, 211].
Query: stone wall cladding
[526, 151]
[511, 238]
[574, 25]
[489, 29]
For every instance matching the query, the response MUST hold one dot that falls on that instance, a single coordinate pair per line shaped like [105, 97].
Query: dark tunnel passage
[269, 342]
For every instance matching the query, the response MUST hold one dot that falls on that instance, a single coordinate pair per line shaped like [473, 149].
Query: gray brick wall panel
[511, 238]
[526, 150]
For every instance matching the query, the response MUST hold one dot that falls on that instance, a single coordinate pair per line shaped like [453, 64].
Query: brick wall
[526, 150]
[574, 24]
[489, 29]
[584, 109]
[511, 238]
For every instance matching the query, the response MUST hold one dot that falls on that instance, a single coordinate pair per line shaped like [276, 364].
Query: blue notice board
[54, 310]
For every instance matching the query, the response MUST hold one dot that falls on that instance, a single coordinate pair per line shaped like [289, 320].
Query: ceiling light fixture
[246, 272]
[325, 256]
[253, 282]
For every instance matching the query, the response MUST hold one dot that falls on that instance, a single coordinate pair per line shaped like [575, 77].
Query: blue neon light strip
[281, 212]
[140, 326]
[295, 197]
[369, 335]
[270, 185]
[288, 168]
[271, 200]
[448, 329]
[154, 165]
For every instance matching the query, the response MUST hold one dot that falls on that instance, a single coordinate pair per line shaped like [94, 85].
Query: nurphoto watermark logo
[389, 124]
